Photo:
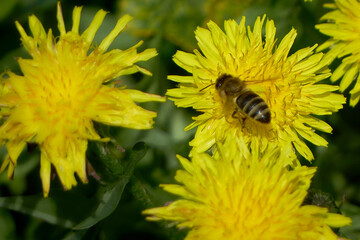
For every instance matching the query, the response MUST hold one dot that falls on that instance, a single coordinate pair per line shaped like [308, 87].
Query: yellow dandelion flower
[286, 84]
[230, 196]
[343, 28]
[63, 90]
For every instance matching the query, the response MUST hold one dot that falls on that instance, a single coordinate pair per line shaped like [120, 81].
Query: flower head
[343, 28]
[233, 196]
[63, 89]
[287, 84]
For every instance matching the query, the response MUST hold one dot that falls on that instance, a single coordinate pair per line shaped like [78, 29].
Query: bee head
[220, 81]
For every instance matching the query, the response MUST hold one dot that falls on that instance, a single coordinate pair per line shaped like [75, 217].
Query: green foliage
[352, 211]
[74, 209]
[128, 171]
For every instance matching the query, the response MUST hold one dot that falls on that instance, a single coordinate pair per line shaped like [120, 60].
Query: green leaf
[110, 199]
[77, 209]
[352, 231]
[75, 235]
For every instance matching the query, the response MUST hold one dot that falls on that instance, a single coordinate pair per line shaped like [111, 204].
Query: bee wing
[259, 86]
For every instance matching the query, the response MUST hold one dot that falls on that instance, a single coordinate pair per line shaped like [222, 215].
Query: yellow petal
[60, 19]
[115, 107]
[120, 25]
[45, 173]
[348, 77]
[76, 19]
[14, 149]
[37, 28]
[90, 32]
[139, 96]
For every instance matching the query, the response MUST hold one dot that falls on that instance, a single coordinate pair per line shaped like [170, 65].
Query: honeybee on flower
[286, 86]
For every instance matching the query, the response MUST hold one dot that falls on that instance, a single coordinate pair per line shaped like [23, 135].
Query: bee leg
[231, 119]
[241, 117]
[237, 115]
[234, 114]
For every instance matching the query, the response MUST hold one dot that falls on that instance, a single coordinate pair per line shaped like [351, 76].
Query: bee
[234, 91]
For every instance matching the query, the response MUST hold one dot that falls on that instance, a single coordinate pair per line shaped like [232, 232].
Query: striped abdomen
[253, 106]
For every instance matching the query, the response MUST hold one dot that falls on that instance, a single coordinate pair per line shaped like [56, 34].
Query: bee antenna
[206, 87]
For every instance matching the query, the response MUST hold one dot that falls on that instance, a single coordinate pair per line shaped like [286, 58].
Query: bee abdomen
[253, 106]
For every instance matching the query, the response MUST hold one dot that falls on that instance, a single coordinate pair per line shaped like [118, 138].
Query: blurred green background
[111, 208]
